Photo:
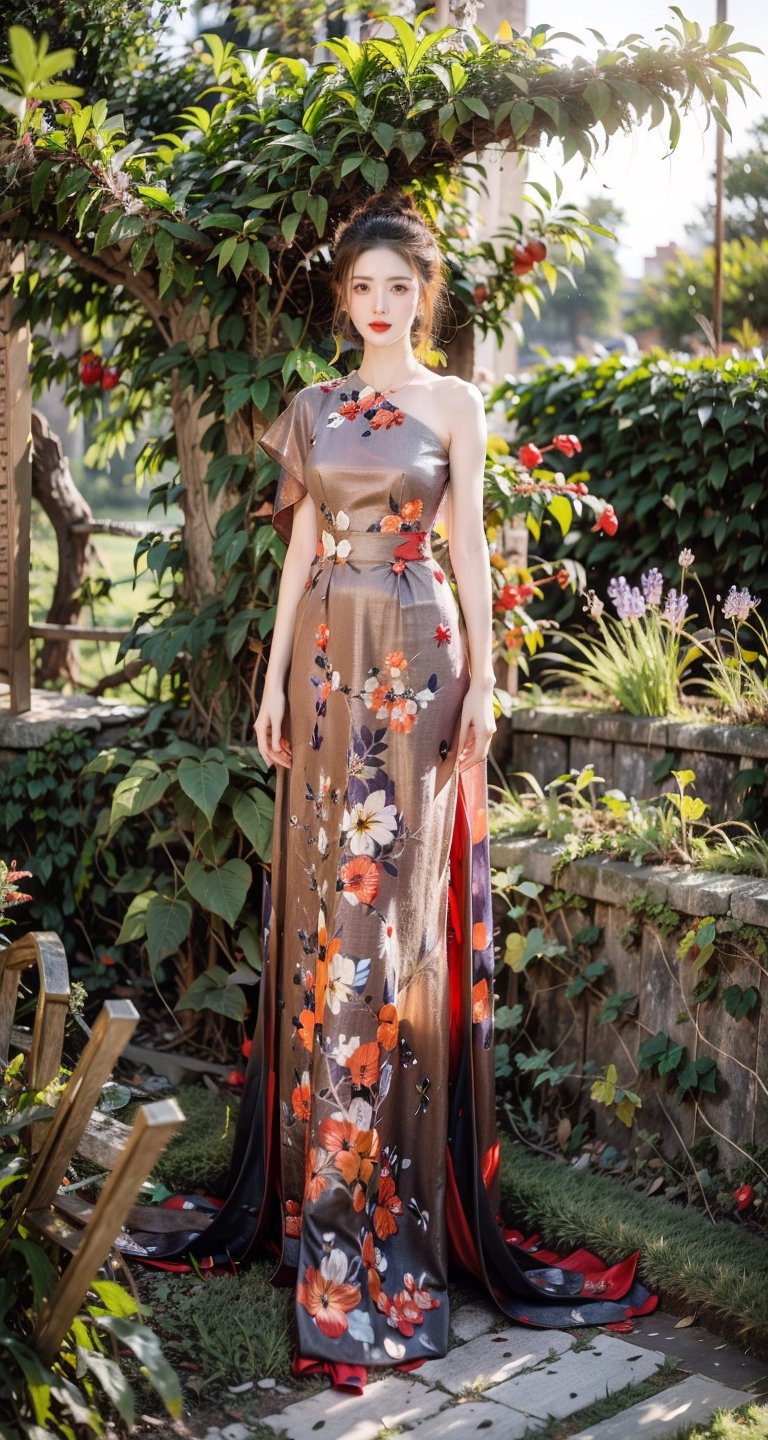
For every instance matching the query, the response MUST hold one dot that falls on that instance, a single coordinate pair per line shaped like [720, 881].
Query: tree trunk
[55, 490]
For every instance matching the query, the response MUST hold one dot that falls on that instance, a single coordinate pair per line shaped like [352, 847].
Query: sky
[659, 193]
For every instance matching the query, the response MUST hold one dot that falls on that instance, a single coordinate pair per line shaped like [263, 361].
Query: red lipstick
[380, 325]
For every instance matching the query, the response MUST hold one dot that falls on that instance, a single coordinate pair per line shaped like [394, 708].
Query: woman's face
[382, 296]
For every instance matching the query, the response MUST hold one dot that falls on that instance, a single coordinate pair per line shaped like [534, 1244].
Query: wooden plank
[132, 529]
[43, 631]
[154, 1126]
[44, 949]
[53, 1226]
[103, 1140]
[114, 1026]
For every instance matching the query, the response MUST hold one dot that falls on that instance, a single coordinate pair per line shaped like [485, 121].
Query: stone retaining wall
[624, 750]
[649, 969]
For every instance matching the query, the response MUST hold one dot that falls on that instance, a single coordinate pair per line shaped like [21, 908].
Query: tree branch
[124, 277]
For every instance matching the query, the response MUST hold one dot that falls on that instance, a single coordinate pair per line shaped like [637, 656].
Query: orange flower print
[354, 1151]
[306, 1028]
[363, 1064]
[386, 1034]
[322, 635]
[374, 1264]
[301, 1096]
[349, 409]
[401, 719]
[479, 936]
[389, 1205]
[326, 1296]
[411, 511]
[397, 567]
[316, 1181]
[384, 419]
[360, 880]
[481, 1002]
[396, 661]
[390, 524]
[479, 825]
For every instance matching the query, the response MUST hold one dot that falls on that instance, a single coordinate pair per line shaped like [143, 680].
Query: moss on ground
[197, 1158]
[718, 1271]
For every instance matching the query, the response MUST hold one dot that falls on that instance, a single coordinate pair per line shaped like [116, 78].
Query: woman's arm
[273, 746]
[468, 550]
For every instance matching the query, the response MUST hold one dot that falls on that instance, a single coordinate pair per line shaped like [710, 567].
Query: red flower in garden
[569, 444]
[530, 456]
[510, 596]
[563, 579]
[743, 1195]
[607, 521]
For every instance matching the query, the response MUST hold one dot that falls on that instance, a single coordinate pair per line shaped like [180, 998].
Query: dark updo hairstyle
[390, 218]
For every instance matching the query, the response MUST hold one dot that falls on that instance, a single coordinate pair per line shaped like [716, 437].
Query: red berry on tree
[536, 249]
[90, 368]
[522, 260]
[480, 294]
[110, 377]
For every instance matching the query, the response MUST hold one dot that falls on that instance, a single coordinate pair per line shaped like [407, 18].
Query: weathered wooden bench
[85, 1231]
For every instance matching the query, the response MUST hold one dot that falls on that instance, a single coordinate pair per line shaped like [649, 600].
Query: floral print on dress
[389, 695]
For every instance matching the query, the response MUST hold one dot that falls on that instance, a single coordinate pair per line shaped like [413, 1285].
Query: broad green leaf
[222, 890]
[146, 1347]
[561, 510]
[254, 813]
[167, 921]
[204, 781]
[112, 1381]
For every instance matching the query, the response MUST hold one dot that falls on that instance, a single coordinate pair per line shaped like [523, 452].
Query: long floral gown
[366, 1151]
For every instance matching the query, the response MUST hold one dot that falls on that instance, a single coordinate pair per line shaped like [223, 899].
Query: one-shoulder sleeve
[287, 441]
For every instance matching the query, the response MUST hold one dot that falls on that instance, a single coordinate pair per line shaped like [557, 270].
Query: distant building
[654, 265]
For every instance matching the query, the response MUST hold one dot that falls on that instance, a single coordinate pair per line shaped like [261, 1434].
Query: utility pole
[717, 294]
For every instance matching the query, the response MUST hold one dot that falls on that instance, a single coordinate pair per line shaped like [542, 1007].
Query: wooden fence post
[15, 492]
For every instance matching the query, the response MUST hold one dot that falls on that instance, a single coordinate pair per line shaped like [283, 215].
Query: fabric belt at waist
[372, 546]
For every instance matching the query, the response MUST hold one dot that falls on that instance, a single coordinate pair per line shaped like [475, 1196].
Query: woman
[366, 1152]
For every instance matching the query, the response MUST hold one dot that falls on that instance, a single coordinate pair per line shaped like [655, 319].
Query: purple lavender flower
[738, 604]
[627, 600]
[675, 608]
[653, 584]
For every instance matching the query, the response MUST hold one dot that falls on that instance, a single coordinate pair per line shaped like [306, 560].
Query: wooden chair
[86, 1232]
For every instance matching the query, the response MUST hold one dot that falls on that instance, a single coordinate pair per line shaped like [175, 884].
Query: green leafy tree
[685, 290]
[590, 304]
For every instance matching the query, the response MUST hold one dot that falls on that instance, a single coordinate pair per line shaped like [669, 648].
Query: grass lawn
[719, 1272]
[113, 560]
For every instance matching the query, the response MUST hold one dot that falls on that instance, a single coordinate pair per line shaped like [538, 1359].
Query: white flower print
[342, 521]
[332, 550]
[341, 975]
[370, 823]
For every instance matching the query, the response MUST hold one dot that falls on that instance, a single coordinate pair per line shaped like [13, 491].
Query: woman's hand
[272, 746]
[478, 725]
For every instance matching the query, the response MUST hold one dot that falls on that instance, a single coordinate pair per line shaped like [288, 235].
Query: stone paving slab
[702, 1353]
[476, 1420]
[578, 1378]
[690, 1401]
[471, 1321]
[384, 1405]
[493, 1358]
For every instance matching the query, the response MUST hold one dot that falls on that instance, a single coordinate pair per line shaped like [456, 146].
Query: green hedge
[679, 448]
